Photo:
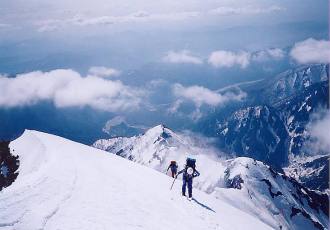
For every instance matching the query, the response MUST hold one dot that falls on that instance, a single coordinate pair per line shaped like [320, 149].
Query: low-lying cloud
[183, 56]
[319, 132]
[268, 54]
[311, 51]
[67, 88]
[222, 58]
[201, 95]
[102, 71]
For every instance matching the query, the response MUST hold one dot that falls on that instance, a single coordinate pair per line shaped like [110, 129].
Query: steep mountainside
[297, 111]
[288, 83]
[257, 132]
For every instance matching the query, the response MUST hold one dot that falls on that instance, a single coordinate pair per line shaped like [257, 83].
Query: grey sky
[46, 15]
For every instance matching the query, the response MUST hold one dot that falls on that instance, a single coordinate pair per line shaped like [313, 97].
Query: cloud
[183, 56]
[67, 88]
[319, 132]
[200, 95]
[223, 58]
[311, 51]
[102, 71]
[224, 10]
[106, 20]
[269, 54]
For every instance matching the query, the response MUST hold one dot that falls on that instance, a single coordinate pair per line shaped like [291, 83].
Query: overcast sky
[48, 15]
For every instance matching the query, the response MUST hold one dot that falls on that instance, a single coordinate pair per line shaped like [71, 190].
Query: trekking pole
[173, 183]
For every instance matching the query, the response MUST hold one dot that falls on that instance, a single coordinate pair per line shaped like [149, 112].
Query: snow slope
[249, 185]
[66, 185]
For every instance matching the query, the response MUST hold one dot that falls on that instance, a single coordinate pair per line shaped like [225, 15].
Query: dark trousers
[187, 181]
[173, 171]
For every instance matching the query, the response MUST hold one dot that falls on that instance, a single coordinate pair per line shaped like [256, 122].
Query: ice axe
[173, 183]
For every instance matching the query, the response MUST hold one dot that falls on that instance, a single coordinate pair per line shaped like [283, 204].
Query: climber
[174, 168]
[189, 172]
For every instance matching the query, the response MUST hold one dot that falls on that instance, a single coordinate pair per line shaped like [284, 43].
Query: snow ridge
[67, 185]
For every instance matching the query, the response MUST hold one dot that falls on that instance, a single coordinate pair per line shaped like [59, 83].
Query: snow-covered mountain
[67, 185]
[272, 125]
[247, 184]
[290, 82]
[273, 134]
[156, 147]
[312, 171]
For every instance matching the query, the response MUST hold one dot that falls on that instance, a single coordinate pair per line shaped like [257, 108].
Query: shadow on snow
[203, 205]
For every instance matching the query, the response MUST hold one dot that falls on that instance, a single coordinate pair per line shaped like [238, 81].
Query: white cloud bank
[311, 51]
[67, 88]
[102, 71]
[319, 131]
[268, 54]
[222, 58]
[183, 56]
[200, 95]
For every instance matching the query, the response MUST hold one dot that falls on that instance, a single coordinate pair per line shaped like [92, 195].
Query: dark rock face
[257, 132]
[236, 182]
[8, 165]
[278, 193]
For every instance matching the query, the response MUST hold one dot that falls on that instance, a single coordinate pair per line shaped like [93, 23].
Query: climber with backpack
[189, 172]
[174, 168]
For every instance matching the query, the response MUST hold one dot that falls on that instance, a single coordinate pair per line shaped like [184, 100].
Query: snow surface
[66, 185]
[265, 194]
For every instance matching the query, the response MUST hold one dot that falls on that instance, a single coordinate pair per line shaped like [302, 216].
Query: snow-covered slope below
[246, 184]
[66, 185]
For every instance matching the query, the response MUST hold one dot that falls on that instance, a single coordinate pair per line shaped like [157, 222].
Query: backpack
[190, 162]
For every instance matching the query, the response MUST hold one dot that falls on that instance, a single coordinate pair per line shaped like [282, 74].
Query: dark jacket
[186, 175]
